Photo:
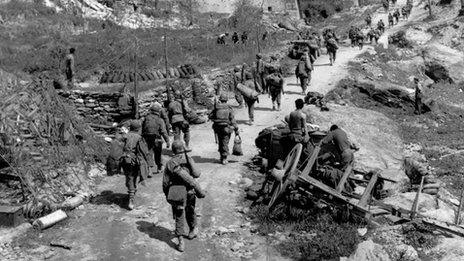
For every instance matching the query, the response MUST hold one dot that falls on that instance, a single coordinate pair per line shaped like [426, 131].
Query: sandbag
[181, 73]
[104, 77]
[151, 76]
[247, 92]
[143, 76]
[287, 25]
[164, 73]
[189, 69]
[119, 77]
[176, 72]
[184, 70]
[237, 149]
[171, 73]
[159, 74]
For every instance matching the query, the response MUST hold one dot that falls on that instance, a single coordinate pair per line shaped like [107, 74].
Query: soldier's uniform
[275, 82]
[177, 115]
[181, 171]
[303, 72]
[223, 125]
[70, 68]
[248, 101]
[154, 131]
[340, 140]
[134, 160]
[260, 72]
[238, 78]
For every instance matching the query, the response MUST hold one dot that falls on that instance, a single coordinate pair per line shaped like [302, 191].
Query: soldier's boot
[278, 107]
[273, 106]
[224, 160]
[180, 244]
[193, 233]
[131, 202]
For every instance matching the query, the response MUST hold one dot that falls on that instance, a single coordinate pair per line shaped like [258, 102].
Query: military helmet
[237, 68]
[223, 97]
[135, 125]
[178, 147]
[156, 107]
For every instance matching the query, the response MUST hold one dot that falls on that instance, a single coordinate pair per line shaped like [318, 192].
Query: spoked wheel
[290, 175]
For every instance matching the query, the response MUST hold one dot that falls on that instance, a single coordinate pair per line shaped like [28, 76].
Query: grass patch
[313, 234]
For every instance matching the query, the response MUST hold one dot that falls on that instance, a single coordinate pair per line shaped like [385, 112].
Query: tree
[461, 12]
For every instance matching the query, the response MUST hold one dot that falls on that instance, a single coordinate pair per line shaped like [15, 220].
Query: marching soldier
[223, 125]
[259, 66]
[154, 131]
[177, 111]
[133, 161]
[181, 190]
[275, 82]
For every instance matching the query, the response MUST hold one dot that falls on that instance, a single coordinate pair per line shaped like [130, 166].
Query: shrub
[399, 39]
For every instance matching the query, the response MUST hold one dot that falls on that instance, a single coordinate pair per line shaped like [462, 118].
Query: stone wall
[108, 108]
[100, 108]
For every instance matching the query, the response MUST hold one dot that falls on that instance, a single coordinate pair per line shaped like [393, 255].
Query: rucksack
[302, 69]
[149, 125]
[221, 114]
[332, 43]
[130, 146]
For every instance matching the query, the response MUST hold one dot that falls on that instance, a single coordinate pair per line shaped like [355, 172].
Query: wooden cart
[297, 172]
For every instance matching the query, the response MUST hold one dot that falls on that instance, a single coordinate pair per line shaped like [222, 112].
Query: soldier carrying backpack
[303, 72]
[133, 161]
[223, 125]
[154, 131]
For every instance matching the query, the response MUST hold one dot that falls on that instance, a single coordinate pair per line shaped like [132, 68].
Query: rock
[408, 253]
[252, 195]
[362, 231]
[246, 183]
[369, 251]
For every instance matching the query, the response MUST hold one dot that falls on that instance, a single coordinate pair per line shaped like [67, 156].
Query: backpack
[302, 69]
[273, 80]
[130, 146]
[332, 43]
[221, 114]
[150, 125]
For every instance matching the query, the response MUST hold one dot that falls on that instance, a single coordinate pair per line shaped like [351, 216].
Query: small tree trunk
[430, 7]
[461, 12]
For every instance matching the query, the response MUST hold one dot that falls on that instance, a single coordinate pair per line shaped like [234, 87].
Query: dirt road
[105, 230]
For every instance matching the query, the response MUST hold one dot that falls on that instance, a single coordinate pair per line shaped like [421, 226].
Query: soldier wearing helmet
[134, 160]
[178, 111]
[260, 72]
[181, 190]
[223, 125]
[154, 131]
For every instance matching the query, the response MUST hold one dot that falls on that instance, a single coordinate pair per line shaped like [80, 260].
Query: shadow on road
[292, 84]
[199, 159]
[108, 197]
[156, 232]
[320, 65]
[263, 109]
[295, 93]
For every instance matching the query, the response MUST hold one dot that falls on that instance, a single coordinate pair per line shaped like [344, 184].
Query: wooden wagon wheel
[290, 170]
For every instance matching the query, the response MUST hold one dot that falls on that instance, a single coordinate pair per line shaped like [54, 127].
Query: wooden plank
[367, 195]
[307, 170]
[343, 180]
[456, 230]
[312, 183]
[415, 204]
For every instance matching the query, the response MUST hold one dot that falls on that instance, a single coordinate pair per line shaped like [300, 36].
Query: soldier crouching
[181, 190]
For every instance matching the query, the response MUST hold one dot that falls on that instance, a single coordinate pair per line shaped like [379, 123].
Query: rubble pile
[47, 148]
